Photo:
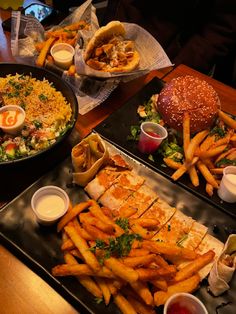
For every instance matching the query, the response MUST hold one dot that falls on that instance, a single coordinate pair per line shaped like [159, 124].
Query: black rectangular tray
[116, 128]
[39, 247]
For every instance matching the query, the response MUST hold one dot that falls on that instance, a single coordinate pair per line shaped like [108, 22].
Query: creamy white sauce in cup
[227, 189]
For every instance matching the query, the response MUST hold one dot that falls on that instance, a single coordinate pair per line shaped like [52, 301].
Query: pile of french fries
[203, 152]
[115, 259]
[68, 34]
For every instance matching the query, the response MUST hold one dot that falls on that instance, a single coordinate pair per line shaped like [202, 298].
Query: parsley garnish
[219, 132]
[169, 227]
[118, 247]
[98, 300]
[135, 131]
[37, 124]
[226, 161]
[123, 223]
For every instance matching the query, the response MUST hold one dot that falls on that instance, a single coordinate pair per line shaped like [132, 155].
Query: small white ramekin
[16, 128]
[45, 191]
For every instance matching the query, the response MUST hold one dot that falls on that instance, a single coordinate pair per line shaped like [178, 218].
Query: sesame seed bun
[188, 93]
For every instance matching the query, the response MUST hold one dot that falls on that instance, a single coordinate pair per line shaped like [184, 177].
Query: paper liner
[221, 274]
[82, 178]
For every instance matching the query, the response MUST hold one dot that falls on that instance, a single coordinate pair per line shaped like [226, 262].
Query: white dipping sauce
[232, 178]
[63, 54]
[50, 205]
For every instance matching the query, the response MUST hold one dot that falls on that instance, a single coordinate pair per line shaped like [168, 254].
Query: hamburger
[108, 51]
[191, 94]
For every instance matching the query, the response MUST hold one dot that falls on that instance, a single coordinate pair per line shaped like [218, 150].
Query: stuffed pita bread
[108, 51]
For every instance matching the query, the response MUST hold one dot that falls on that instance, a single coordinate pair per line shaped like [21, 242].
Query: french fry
[224, 154]
[72, 70]
[81, 231]
[147, 274]
[188, 286]
[136, 228]
[209, 189]
[171, 163]
[222, 141]
[194, 266]
[207, 143]
[39, 45]
[186, 131]
[179, 172]
[127, 212]
[80, 270]
[123, 304]
[83, 247]
[212, 152]
[77, 254]
[207, 174]
[90, 219]
[146, 222]
[138, 260]
[227, 119]
[141, 288]
[114, 285]
[208, 162]
[85, 281]
[169, 249]
[140, 307]
[44, 51]
[233, 138]
[72, 214]
[217, 170]
[194, 143]
[119, 269]
[67, 245]
[104, 288]
[160, 261]
[96, 233]
[193, 175]
[160, 284]
[138, 252]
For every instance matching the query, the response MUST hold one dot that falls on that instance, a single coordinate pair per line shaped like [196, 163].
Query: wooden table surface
[21, 290]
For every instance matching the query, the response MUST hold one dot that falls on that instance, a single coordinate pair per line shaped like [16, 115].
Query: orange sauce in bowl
[10, 118]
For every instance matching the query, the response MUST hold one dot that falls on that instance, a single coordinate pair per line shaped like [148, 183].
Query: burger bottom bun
[191, 94]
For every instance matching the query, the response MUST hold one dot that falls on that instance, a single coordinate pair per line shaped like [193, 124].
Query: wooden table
[21, 290]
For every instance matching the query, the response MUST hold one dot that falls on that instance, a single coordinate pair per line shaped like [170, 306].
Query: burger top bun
[188, 93]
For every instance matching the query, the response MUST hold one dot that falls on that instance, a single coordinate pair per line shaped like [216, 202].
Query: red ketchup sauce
[148, 144]
[177, 308]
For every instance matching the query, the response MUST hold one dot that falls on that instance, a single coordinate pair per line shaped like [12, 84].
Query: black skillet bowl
[59, 84]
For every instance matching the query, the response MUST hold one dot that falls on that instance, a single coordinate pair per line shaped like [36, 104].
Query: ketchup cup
[151, 136]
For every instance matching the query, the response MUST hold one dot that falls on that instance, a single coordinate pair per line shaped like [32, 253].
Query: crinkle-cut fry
[171, 163]
[207, 174]
[186, 130]
[193, 175]
[83, 247]
[81, 270]
[44, 51]
[227, 119]
[120, 270]
[141, 288]
[138, 252]
[140, 307]
[92, 220]
[104, 288]
[96, 233]
[138, 260]
[85, 281]
[72, 214]
[217, 170]
[194, 143]
[209, 189]
[194, 266]
[160, 284]
[123, 304]
[168, 249]
[147, 274]
[212, 152]
[188, 286]
[224, 154]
